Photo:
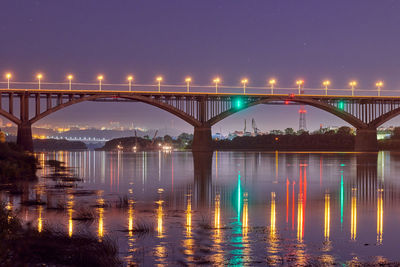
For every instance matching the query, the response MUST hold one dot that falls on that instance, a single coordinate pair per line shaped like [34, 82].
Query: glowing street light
[8, 76]
[299, 84]
[100, 78]
[130, 79]
[70, 77]
[352, 85]
[159, 80]
[217, 80]
[188, 80]
[244, 82]
[379, 85]
[326, 84]
[272, 83]
[39, 77]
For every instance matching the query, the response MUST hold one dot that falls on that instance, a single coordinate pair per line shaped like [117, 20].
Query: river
[226, 208]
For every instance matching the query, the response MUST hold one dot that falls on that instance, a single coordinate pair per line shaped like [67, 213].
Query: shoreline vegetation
[23, 245]
[57, 144]
[341, 140]
[290, 142]
[15, 164]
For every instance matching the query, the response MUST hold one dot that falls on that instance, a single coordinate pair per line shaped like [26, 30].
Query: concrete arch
[10, 117]
[357, 123]
[143, 99]
[384, 118]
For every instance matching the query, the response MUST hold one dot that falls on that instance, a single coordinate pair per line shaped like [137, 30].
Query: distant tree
[344, 130]
[301, 132]
[276, 132]
[185, 137]
[289, 131]
[167, 138]
[329, 132]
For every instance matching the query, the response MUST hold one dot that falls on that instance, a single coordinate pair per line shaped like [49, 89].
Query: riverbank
[24, 246]
[15, 164]
[290, 142]
[57, 144]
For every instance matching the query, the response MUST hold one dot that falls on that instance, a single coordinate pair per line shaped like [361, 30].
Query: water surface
[238, 208]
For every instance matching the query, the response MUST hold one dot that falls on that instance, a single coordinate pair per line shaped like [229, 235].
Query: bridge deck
[181, 94]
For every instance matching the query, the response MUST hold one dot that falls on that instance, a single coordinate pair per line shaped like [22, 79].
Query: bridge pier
[202, 140]
[366, 140]
[24, 136]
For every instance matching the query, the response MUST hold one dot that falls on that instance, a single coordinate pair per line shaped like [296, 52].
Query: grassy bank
[24, 246]
[15, 164]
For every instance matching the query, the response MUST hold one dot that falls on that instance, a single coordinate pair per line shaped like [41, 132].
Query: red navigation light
[286, 102]
[291, 95]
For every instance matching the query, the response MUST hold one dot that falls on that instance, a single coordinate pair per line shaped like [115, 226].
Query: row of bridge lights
[216, 81]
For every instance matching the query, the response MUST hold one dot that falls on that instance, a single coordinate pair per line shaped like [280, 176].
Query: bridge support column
[366, 140]
[202, 140]
[24, 136]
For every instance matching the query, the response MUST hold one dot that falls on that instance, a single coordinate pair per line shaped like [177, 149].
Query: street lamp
[159, 80]
[217, 80]
[70, 77]
[188, 80]
[130, 79]
[299, 84]
[352, 85]
[8, 76]
[100, 78]
[39, 77]
[379, 85]
[272, 82]
[326, 84]
[244, 82]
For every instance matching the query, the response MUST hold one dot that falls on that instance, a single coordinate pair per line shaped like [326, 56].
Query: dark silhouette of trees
[289, 131]
[343, 141]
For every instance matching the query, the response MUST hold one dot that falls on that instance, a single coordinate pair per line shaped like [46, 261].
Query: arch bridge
[201, 110]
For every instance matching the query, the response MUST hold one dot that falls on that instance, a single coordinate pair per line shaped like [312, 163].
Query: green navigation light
[238, 103]
[341, 104]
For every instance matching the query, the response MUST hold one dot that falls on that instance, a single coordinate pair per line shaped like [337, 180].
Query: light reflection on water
[228, 208]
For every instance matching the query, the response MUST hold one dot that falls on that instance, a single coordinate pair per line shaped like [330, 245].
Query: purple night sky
[315, 40]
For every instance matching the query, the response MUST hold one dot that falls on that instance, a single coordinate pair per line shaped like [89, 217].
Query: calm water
[238, 208]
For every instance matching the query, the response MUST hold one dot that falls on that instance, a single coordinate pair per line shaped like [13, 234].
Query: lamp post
[159, 80]
[244, 82]
[379, 85]
[216, 81]
[39, 77]
[8, 76]
[130, 79]
[299, 84]
[326, 84]
[188, 80]
[70, 77]
[352, 84]
[100, 78]
[272, 83]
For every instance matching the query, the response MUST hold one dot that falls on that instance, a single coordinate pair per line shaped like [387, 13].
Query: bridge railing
[194, 89]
